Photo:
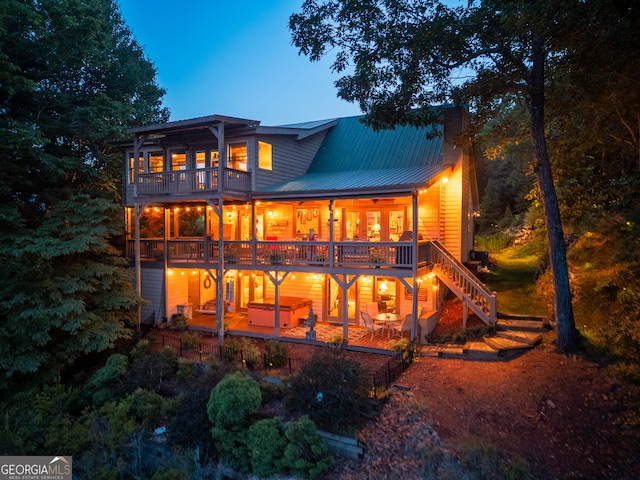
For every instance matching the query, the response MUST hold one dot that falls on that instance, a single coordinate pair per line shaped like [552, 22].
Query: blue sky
[233, 58]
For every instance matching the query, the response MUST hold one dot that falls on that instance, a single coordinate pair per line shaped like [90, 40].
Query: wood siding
[290, 157]
[151, 282]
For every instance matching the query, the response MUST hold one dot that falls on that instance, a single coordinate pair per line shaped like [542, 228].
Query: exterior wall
[177, 290]
[429, 213]
[151, 280]
[451, 213]
[301, 287]
[290, 157]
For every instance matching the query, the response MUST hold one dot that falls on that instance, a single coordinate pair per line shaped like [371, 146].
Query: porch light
[445, 180]
[182, 272]
[170, 272]
[194, 272]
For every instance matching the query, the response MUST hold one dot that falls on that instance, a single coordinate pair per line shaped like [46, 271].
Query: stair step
[521, 325]
[481, 351]
[442, 351]
[507, 348]
[527, 337]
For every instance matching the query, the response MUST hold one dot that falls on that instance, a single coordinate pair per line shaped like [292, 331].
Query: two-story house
[230, 221]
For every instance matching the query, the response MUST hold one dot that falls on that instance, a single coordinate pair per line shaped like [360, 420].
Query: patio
[237, 324]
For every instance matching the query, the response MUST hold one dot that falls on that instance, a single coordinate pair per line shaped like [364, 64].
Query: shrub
[251, 355]
[305, 454]
[481, 459]
[331, 389]
[231, 404]
[277, 353]
[266, 444]
[106, 384]
[190, 339]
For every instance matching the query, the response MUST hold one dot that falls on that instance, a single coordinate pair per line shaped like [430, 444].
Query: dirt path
[558, 413]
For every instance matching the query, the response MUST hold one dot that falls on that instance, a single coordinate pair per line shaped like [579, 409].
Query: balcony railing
[191, 182]
[295, 253]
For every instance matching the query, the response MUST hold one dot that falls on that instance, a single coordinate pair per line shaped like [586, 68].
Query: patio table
[388, 319]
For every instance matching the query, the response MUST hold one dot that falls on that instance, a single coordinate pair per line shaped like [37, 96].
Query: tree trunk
[563, 309]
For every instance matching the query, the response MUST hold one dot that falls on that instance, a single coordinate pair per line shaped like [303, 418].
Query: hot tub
[262, 312]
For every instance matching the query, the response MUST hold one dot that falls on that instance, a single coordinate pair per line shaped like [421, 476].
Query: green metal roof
[352, 146]
[354, 157]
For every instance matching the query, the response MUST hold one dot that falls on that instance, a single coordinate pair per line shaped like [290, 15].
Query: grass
[514, 281]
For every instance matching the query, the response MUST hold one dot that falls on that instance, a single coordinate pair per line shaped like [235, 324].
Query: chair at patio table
[370, 325]
[405, 327]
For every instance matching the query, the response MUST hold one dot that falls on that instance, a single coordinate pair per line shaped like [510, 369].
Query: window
[201, 159]
[178, 161]
[132, 167]
[156, 162]
[238, 156]
[264, 156]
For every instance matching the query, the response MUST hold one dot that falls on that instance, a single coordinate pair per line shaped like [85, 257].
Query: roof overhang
[358, 184]
[194, 124]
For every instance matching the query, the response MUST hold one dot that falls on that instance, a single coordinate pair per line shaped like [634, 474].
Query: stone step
[481, 351]
[441, 351]
[521, 325]
[527, 337]
[506, 347]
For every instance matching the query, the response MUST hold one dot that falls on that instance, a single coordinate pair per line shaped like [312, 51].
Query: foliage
[493, 242]
[277, 352]
[266, 444]
[305, 454]
[64, 285]
[107, 383]
[179, 322]
[251, 355]
[152, 371]
[330, 389]
[231, 405]
[606, 256]
[481, 459]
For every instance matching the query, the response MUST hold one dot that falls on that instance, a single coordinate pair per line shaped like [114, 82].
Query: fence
[187, 346]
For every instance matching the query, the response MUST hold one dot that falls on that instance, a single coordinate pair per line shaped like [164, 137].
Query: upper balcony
[288, 254]
[191, 183]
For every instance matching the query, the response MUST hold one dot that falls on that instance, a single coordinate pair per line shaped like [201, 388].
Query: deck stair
[514, 336]
[463, 284]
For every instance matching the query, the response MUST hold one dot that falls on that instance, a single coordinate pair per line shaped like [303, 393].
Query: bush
[231, 404]
[331, 390]
[251, 355]
[266, 444]
[277, 352]
[481, 459]
[106, 384]
[305, 454]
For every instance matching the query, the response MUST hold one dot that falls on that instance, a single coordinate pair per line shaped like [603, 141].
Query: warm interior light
[383, 288]
[270, 213]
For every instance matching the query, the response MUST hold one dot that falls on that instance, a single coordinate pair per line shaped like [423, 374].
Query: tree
[72, 79]
[399, 58]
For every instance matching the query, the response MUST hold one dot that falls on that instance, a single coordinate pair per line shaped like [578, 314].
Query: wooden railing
[189, 182]
[321, 254]
[463, 282]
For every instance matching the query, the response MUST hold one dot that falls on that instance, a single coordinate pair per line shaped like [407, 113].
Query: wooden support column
[276, 280]
[345, 284]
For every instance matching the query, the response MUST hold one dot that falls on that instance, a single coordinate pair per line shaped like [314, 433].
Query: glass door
[335, 301]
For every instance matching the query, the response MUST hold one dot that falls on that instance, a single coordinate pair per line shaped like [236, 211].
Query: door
[334, 300]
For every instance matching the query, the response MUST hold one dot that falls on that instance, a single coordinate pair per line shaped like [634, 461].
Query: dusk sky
[233, 58]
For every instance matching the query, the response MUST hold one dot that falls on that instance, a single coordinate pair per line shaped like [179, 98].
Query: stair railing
[463, 282]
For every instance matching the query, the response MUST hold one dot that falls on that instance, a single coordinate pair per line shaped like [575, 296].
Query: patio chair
[373, 309]
[405, 327]
[370, 325]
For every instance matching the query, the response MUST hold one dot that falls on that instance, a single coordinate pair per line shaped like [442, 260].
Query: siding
[302, 288]
[290, 158]
[151, 283]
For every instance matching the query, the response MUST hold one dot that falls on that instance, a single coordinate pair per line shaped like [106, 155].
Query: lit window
[156, 162]
[264, 156]
[178, 161]
[132, 167]
[201, 159]
[238, 156]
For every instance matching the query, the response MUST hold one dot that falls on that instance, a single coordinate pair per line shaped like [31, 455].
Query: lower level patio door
[334, 299]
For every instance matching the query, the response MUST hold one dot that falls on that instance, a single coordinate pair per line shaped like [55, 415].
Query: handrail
[462, 281]
[188, 182]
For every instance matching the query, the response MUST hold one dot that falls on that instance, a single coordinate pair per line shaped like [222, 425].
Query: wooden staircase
[515, 335]
[464, 284]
